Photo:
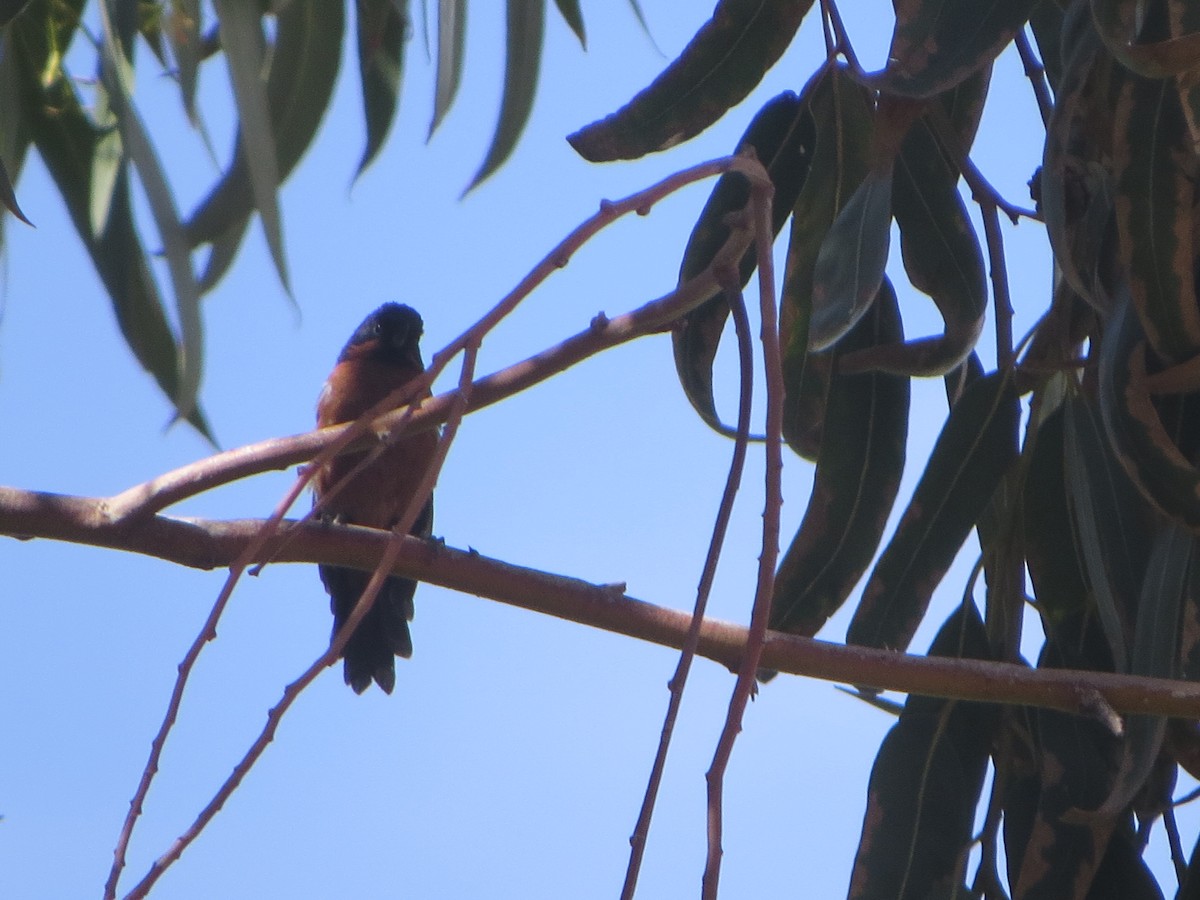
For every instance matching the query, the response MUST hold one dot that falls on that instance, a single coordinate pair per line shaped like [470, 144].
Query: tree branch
[208, 544]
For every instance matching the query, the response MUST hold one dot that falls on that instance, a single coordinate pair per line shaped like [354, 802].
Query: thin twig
[842, 43]
[1001, 298]
[760, 614]
[362, 607]
[1036, 73]
[678, 681]
[982, 190]
[161, 492]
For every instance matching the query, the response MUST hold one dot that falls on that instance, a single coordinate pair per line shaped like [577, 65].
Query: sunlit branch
[209, 544]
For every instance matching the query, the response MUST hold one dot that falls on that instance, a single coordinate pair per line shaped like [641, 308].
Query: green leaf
[245, 51]
[304, 67]
[1154, 204]
[940, 250]
[782, 137]
[1156, 654]
[523, 54]
[723, 63]
[841, 113]
[1134, 426]
[1076, 183]
[1052, 556]
[8, 196]
[1046, 23]
[451, 38]
[573, 16]
[183, 33]
[108, 159]
[381, 27]
[858, 475]
[925, 785]
[1111, 521]
[938, 43]
[117, 79]
[10, 9]
[1074, 763]
[970, 457]
[850, 264]
[66, 140]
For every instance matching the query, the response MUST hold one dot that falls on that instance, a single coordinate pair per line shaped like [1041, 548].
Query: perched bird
[382, 355]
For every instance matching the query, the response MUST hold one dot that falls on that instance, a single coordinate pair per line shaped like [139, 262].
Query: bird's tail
[382, 635]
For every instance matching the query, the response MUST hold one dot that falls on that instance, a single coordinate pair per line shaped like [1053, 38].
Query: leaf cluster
[1088, 512]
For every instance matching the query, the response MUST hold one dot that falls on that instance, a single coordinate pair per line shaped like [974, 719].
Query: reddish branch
[209, 544]
[637, 841]
[773, 502]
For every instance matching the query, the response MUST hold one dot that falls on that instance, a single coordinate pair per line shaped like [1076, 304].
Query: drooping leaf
[851, 262]
[8, 196]
[940, 250]
[1076, 184]
[245, 52]
[858, 475]
[841, 112]
[65, 139]
[1051, 551]
[938, 43]
[1134, 427]
[523, 54]
[116, 76]
[573, 16]
[1046, 23]
[782, 137]
[451, 41]
[1156, 654]
[971, 455]
[721, 65]
[10, 9]
[183, 33]
[1111, 522]
[1155, 220]
[1075, 760]
[304, 67]
[381, 35]
[925, 785]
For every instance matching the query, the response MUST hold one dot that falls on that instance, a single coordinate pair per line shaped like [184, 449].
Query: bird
[381, 356]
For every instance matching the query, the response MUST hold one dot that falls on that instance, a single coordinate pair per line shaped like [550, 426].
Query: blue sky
[511, 760]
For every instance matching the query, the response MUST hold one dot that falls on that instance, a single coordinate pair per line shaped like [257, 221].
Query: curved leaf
[182, 27]
[1111, 521]
[8, 196]
[858, 475]
[304, 67]
[1046, 23]
[523, 55]
[66, 141]
[451, 40]
[940, 250]
[1076, 185]
[721, 65]
[841, 112]
[1155, 653]
[573, 16]
[1134, 427]
[925, 785]
[938, 43]
[850, 264]
[971, 455]
[245, 52]
[782, 137]
[381, 36]
[1051, 551]
[1155, 219]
